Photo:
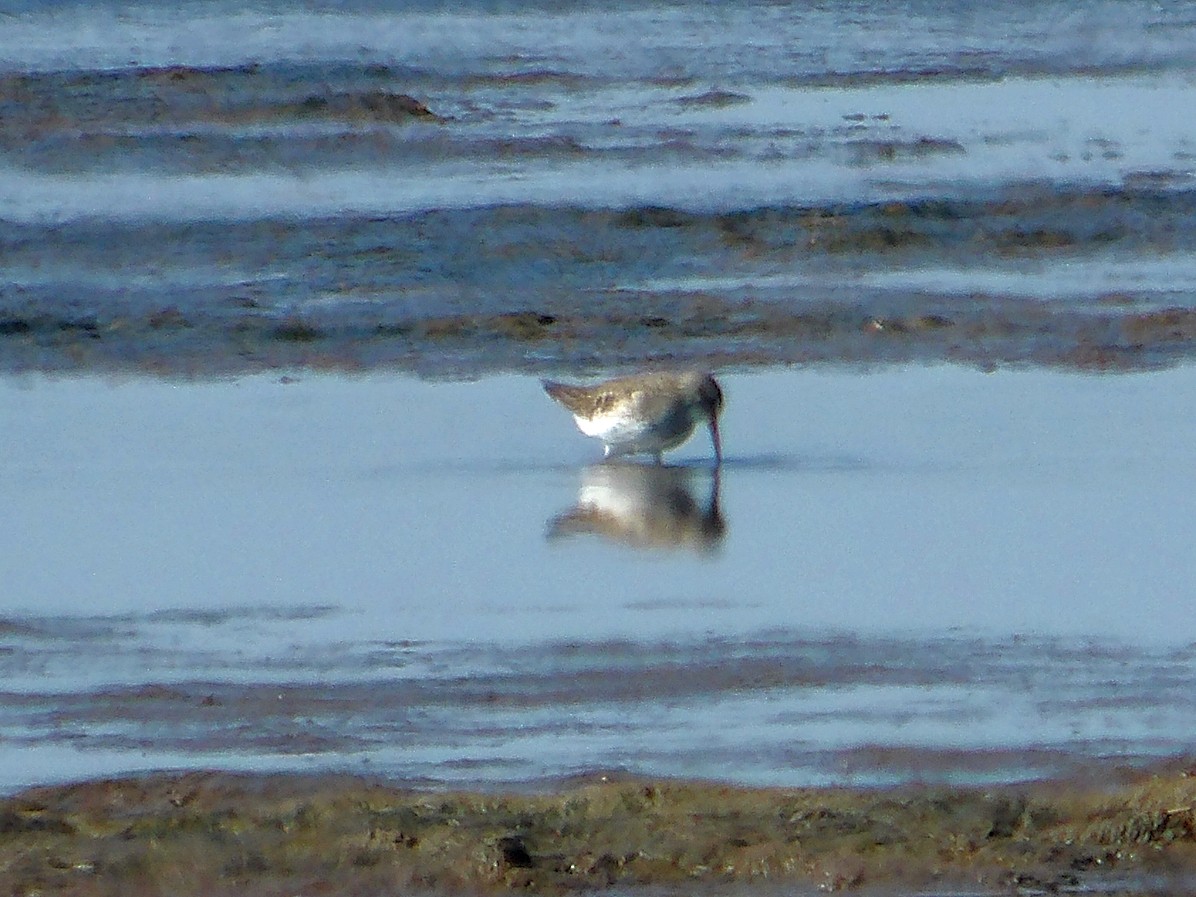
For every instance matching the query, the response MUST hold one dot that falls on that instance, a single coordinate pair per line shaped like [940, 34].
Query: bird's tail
[569, 396]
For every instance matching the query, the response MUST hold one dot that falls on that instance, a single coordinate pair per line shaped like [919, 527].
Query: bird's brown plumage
[647, 412]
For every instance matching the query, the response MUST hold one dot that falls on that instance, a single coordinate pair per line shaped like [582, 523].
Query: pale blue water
[925, 574]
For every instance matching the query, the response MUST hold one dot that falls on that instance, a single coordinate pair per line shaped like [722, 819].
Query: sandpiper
[644, 413]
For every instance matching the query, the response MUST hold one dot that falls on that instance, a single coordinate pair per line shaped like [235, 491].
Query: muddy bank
[1019, 279]
[397, 189]
[216, 833]
[699, 330]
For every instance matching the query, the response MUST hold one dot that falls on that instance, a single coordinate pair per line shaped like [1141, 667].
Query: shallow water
[926, 573]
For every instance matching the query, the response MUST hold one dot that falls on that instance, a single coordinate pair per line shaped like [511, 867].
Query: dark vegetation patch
[713, 99]
[297, 331]
[371, 106]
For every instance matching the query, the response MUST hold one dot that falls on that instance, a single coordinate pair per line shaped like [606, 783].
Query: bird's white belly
[627, 434]
[612, 428]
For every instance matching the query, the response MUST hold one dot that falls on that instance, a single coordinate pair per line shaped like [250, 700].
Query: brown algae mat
[218, 833]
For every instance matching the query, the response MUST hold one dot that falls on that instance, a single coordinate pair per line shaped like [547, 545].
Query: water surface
[928, 573]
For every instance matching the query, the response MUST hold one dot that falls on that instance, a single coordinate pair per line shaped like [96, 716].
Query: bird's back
[586, 401]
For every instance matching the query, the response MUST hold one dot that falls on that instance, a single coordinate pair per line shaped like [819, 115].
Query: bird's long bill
[718, 443]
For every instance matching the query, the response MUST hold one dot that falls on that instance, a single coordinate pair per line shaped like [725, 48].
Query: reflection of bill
[643, 506]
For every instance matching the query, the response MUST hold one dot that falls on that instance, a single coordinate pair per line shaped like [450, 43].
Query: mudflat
[1111, 830]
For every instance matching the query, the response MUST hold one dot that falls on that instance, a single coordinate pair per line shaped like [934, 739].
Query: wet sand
[211, 833]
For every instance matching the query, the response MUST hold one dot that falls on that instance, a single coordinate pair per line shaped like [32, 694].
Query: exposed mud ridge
[216, 833]
[42, 104]
[518, 288]
[698, 329]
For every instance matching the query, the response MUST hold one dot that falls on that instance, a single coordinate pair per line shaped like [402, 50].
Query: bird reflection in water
[644, 506]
